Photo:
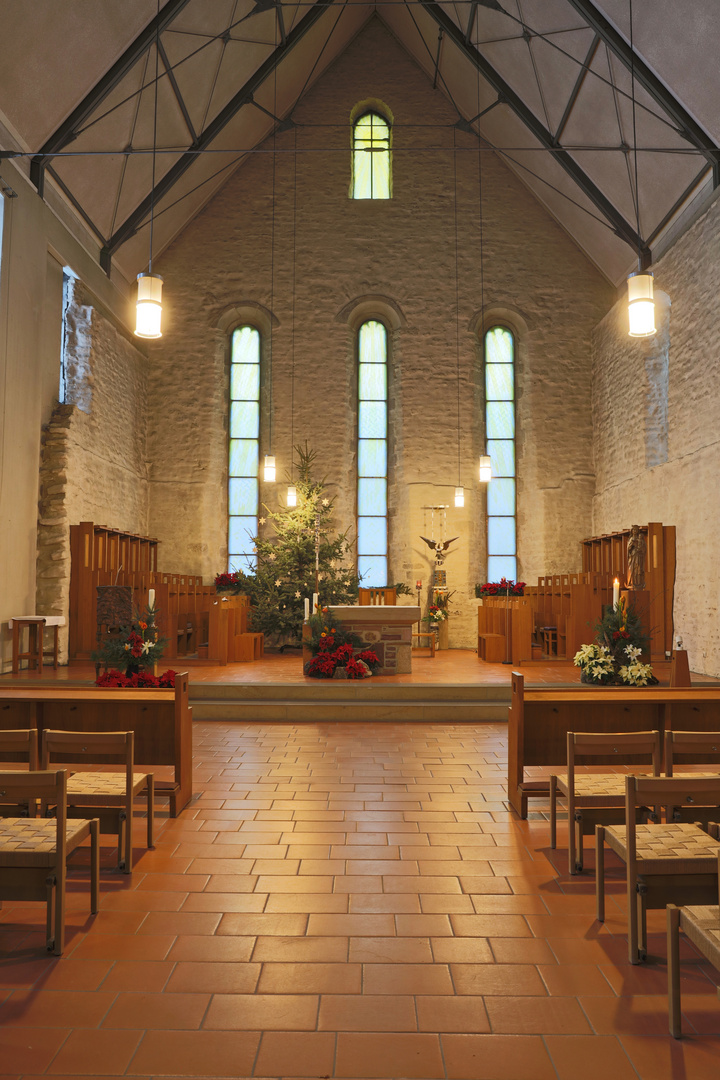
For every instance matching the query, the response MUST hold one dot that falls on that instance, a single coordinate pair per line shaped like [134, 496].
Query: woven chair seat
[594, 786]
[702, 926]
[674, 848]
[101, 784]
[31, 841]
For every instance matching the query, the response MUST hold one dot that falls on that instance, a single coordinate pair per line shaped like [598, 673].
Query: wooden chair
[597, 797]
[702, 926]
[425, 640]
[665, 863]
[34, 851]
[19, 745]
[691, 746]
[109, 794]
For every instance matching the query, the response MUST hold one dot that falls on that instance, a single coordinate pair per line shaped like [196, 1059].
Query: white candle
[151, 598]
[307, 608]
[315, 603]
[616, 592]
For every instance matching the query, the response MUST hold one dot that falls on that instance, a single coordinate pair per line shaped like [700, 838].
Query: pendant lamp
[459, 496]
[292, 495]
[269, 469]
[485, 469]
[148, 311]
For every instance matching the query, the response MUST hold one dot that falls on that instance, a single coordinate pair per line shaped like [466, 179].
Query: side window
[372, 455]
[500, 434]
[371, 157]
[244, 448]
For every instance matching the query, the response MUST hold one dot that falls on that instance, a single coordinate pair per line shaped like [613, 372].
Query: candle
[616, 592]
[418, 584]
[307, 608]
[151, 598]
[315, 603]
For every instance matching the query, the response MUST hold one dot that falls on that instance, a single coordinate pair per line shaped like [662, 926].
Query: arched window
[500, 435]
[371, 157]
[244, 448]
[372, 455]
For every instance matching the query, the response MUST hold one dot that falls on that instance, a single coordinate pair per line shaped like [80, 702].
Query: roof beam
[578, 86]
[687, 125]
[620, 226]
[244, 96]
[67, 130]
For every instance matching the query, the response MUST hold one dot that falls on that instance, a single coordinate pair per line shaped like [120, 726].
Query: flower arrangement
[234, 583]
[333, 650]
[114, 679]
[436, 614]
[137, 646]
[503, 587]
[614, 657]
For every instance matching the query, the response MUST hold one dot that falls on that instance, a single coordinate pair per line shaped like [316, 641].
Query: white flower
[147, 646]
[632, 652]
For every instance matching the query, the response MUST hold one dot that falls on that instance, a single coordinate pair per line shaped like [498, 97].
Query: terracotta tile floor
[347, 900]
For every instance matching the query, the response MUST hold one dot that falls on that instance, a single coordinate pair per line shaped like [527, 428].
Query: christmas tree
[287, 563]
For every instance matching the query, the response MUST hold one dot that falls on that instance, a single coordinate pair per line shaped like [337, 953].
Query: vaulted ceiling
[548, 83]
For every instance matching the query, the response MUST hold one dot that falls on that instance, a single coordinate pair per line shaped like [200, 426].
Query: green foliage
[137, 646]
[327, 632]
[403, 589]
[285, 562]
[620, 628]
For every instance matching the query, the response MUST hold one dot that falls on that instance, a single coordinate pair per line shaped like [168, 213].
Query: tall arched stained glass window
[244, 448]
[372, 455]
[371, 157]
[500, 435]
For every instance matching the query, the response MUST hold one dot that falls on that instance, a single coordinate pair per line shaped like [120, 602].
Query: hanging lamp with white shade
[485, 470]
[641, 303]
[292, 495]
[148, 309]
[269, 469]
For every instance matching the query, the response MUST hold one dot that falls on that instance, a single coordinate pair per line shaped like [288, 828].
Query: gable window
[244, 448]
[372, 455]
[500, 435]
[371, 157]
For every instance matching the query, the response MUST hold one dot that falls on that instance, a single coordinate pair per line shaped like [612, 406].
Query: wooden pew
[493, 620]
[160, 719]
[541, 716]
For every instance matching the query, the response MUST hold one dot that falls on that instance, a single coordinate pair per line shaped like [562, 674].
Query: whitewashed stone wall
[656, 405]
[93, 458]
[402, 251]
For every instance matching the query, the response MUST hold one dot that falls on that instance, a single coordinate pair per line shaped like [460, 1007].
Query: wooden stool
[492, 648]
[549, 634]
[429, 641]
[248, 647]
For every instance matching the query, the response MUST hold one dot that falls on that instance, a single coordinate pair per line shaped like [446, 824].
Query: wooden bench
[160, 719]
[540, 718]
[492, 648]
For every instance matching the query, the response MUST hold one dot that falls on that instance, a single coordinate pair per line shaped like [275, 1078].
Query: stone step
[339, 690]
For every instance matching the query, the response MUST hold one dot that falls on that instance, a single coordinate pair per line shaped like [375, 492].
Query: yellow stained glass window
[371, 157]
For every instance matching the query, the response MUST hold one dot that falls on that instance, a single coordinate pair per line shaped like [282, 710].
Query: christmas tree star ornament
[278, 583]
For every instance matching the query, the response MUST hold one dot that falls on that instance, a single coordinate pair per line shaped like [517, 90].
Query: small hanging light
[641, 305]
[485, 469]
[269, 469]
[292, 495]
[148, 316]
[459, 496]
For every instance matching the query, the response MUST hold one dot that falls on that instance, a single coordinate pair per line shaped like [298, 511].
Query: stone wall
[655, 413]
[395, 259]
[93, 452]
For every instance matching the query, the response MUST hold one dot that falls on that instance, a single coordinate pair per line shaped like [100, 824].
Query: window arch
[244, 447]
[372, 524]
[371, 178]
[499, 354]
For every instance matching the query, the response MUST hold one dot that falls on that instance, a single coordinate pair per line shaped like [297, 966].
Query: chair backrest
[90, 748]
[20, 745]
[48, 786]
[616, 747]
[689, 745]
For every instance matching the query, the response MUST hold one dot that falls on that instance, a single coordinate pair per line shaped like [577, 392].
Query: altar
[386, 629]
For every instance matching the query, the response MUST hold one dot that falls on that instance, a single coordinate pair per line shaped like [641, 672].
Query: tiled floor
[347, 901]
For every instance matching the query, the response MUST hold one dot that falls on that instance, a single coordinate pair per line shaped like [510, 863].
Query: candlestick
[151, 598]
[616, 593]
[307, 608]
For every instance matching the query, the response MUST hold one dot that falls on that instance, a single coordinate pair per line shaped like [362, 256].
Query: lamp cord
[152, 189]
[632, 97]
[292, 344]
[272, 253]
[457, 300]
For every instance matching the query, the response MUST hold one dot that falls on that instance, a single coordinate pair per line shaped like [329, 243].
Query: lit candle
[418, 584]
[616, 593]
[307, 608]
[315, 603]
[151, 598]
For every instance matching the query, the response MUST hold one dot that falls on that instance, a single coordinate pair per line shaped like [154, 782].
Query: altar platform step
[337, 700]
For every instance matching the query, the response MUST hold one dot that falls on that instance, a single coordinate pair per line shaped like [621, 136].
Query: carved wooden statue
[636, 550]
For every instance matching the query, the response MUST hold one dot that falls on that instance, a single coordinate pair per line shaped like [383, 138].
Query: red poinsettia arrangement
[114, 679]
[226, 581]
[503, 587]
[324, 665]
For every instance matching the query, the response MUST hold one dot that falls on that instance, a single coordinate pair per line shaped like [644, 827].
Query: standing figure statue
[636, 559]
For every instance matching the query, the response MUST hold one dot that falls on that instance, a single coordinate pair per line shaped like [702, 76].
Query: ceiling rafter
[66, 132]
[688, 127]
[577, 87]
[619, 224]
[244, 96]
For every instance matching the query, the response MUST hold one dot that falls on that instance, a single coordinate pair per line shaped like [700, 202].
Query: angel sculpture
[440, 547]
